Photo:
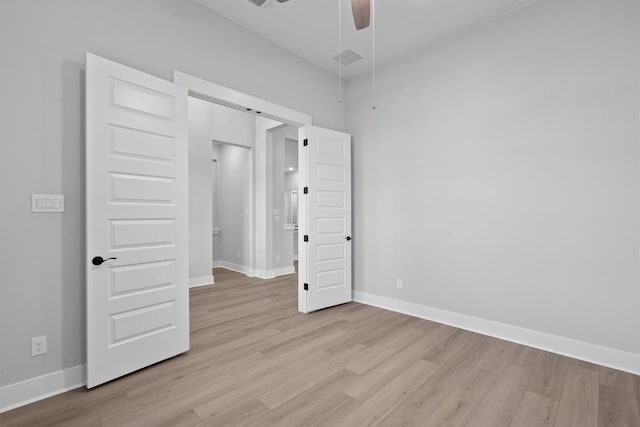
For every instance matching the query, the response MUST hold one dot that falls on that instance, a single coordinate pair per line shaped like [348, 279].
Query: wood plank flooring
[255, 361]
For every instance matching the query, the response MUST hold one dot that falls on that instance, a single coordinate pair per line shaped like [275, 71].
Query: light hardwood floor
[255, 361]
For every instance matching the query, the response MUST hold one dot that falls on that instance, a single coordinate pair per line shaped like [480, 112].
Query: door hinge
[306, 286]
[305, 142]
[306, 190]
[306, 238]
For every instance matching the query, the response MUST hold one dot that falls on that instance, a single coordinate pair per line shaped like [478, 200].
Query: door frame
[218, 94]
[248, 270]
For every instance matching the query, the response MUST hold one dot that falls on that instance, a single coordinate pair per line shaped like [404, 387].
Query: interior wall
[209, 122]
[215, 220]
[499, 174]
[233, 204]
[282, 255]
[263, 197]
[43, 45]
[291, 183]
[200, 182]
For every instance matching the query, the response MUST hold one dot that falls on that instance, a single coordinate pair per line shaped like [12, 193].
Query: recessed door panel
[331, 252]
[142, 322]
[143, 99]
[335, 226]
[327, 172]
[330, 199]
[330, 279]
[127, 188]
[142, 145]
[330, 146]
[142, 277]
[141, 233]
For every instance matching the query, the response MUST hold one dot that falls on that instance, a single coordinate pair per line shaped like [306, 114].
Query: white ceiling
[309, 28]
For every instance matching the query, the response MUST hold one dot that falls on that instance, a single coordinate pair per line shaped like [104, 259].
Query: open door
[325, 221]
[136, 220]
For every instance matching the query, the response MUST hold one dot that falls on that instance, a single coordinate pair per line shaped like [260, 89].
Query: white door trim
[212, 92]
[218, 94]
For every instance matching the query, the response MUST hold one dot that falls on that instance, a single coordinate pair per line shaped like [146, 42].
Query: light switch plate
[47, 203]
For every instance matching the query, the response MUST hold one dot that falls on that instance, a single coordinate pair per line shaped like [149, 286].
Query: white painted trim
[22, 393]
[272, 274]
[213, 92]
[261, 274]
[600, 355]
[195, 282]
[238, 268]
[218, 94]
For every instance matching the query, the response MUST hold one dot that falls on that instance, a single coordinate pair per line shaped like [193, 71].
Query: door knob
[98, 260]
[348, 238]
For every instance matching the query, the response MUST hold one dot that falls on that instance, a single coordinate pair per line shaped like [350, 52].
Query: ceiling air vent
[260, 3]
[347, 57]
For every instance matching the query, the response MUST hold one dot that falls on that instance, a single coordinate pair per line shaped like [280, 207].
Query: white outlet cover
[39, 346]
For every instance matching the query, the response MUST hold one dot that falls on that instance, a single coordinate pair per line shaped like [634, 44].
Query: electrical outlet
[238, 255]
[38, 346]
[399, 283]
[277, 257]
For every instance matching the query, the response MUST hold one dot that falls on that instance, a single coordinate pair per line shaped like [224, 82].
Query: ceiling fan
[361, 11]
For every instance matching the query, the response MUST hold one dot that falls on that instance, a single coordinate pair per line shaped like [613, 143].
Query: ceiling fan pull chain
[373, 56]
[339, 51]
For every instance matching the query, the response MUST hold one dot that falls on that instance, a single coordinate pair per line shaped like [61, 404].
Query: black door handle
[348, 238]
[98, 260]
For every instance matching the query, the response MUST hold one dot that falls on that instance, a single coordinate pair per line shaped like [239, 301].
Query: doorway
[238, 218]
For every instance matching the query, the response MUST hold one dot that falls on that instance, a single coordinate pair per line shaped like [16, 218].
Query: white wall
[499, 174]
[232, 126]
[43, 45]
[263, 198]
[283, 251]
[233, 204]
[209, 122]
[291, 183]
[200, 182]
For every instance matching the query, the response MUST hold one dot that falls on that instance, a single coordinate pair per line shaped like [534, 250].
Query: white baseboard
[606, 356]
[272, 274]
[195, 282]
[19, 394]
[233, 267]
[283, 271]
[261, 274]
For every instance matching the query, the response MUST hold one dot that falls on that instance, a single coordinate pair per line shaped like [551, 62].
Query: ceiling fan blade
[361, 13]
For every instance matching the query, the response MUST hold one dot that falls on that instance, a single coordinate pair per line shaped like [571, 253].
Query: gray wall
[43, 45]
[499, 174]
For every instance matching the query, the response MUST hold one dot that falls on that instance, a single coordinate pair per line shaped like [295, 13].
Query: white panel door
[136, 219]
[325, 243]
